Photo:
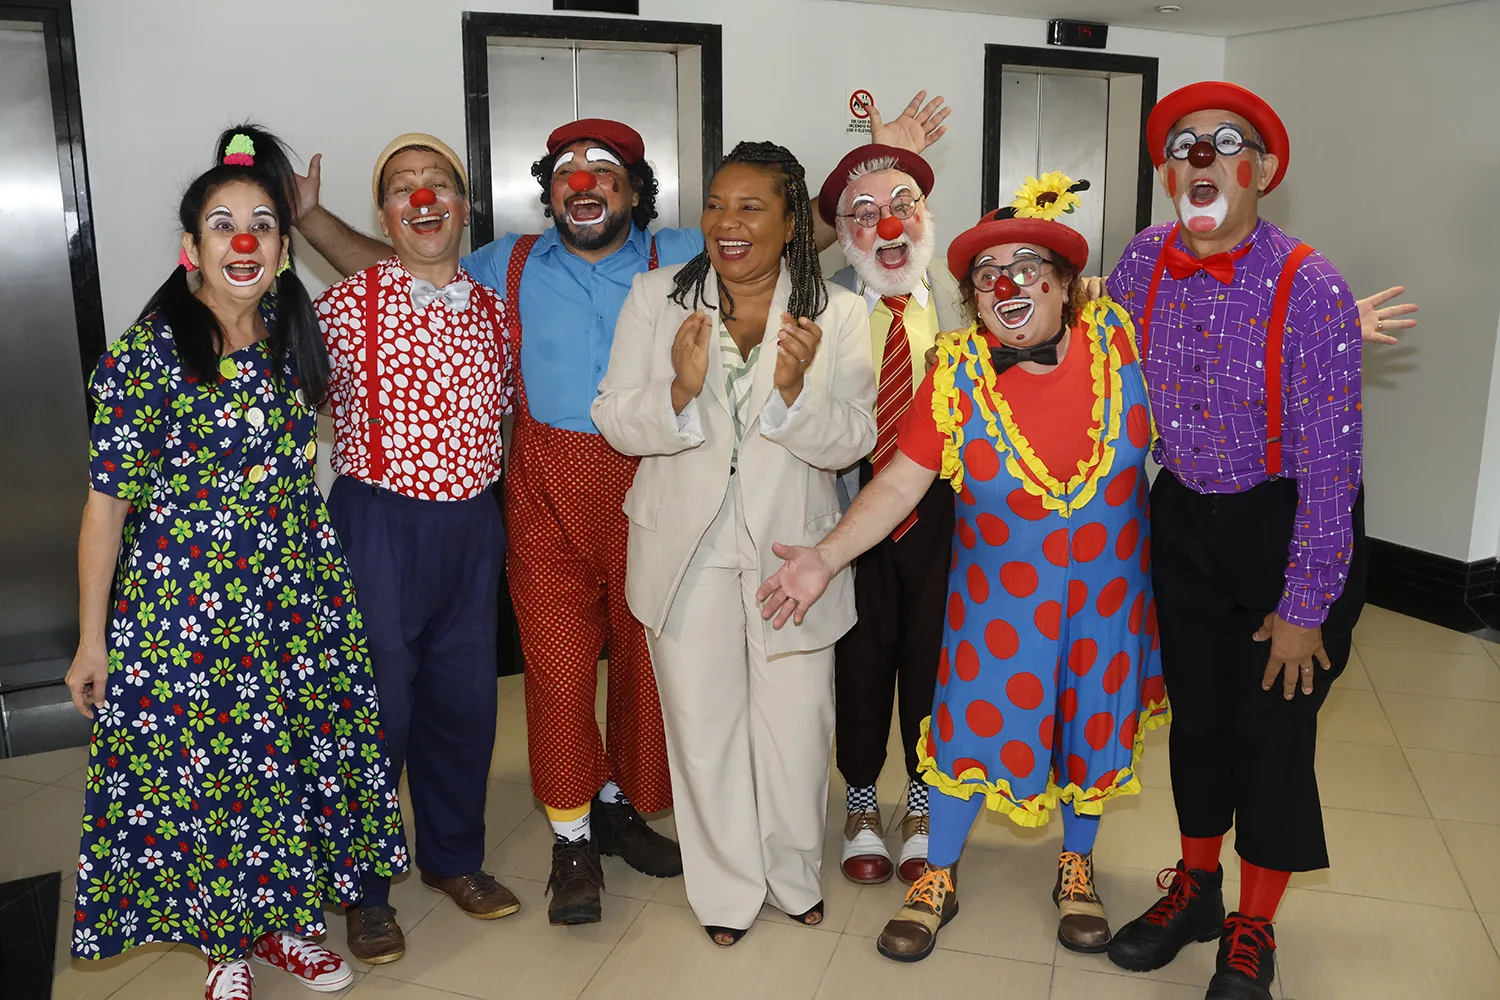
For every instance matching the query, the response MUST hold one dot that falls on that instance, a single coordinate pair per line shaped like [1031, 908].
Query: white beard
[884, 281]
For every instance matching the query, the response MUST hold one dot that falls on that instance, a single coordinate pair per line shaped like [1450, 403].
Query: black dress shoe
[1192, 910]
[620, 832]
[1247, 960]
[575, 883]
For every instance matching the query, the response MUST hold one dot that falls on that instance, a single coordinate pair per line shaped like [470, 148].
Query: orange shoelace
[930, 889]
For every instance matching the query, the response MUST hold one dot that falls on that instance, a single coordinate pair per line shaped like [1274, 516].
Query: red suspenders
[374, 413]
[519, 254]
[1275, 331]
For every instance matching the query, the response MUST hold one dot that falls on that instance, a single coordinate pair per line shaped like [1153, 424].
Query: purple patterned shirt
[1207, 386]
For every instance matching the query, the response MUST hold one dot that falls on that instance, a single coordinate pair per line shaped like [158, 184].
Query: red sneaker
[310, 964]
[229, 981]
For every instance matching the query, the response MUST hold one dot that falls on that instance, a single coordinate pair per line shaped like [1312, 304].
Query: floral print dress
[237, 776]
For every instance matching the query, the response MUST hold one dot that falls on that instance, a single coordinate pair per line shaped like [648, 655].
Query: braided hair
[809, 295]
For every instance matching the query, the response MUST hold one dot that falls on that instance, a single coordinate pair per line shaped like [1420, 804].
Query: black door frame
[56, 19]
[998, 57]
[479, 28]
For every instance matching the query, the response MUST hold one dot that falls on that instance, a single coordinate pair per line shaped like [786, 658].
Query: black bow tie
[1003, 357]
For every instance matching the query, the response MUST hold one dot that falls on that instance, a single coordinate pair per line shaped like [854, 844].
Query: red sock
[1260, 890]
[1201, 853]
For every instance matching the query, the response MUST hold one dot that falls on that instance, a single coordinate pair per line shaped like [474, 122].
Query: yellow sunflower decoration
[1047, 197]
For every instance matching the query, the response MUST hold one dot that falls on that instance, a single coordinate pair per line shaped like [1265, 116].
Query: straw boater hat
[1213, 95]
[407, 141]
[1031, 218]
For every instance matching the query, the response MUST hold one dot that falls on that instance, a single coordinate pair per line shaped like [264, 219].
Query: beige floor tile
[1382, 629]
[73, 782]
[1353, 716]
[527, 854]
[1335, 947]
[1458, 786]
[74, 979]
[178, 972]
[1140, 831]
[509, 762]
[859, 972]
[44, 768]
[1449, 724]
[507, 805]
[1492, 924]
[1075, 984]
[13, 790]
[1443, 675]
[517, 956]
[40, 833]
[1475, 849]
[1388, 857]
[378, 988]
[1155, 769]
[666, 954]
[511, 691]
[1367, 777]
[1355, 675]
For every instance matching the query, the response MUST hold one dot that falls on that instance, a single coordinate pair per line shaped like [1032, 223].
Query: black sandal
[730, 932]
[816, 911]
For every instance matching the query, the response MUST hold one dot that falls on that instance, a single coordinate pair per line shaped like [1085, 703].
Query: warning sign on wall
[860, 103]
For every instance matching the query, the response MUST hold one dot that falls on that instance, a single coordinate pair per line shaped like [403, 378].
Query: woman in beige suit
[742, 380]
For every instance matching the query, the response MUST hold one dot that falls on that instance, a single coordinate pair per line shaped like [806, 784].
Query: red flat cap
[616, 135]
[1214, 95]
[991, 231]
[906, 161]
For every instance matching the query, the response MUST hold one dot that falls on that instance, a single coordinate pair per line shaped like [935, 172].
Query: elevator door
[535, 87]
[44, 446]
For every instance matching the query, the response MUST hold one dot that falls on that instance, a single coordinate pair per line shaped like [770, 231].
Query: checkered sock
[861, 799]
[916, 798]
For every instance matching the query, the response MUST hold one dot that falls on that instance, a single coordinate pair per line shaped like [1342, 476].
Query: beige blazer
[785, 472]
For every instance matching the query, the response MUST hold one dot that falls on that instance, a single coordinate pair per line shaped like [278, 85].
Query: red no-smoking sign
[860, 102]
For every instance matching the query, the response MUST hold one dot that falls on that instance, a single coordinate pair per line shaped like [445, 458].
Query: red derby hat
[616, 135]
[1211, 95]
[996, 228]
[906, 161]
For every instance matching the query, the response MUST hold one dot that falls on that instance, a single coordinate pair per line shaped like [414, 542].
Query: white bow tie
[455, 294]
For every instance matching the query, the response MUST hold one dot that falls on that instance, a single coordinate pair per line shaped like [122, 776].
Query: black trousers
[900, 591]
[1240, 755]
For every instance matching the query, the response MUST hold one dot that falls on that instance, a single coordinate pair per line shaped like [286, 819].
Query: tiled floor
[1410, 767]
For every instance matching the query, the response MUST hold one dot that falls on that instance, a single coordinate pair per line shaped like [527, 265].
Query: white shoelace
[312, 956]
[231, 980]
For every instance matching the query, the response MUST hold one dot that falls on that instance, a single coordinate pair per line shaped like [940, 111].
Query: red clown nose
[422, 197]
[244, 243]
[1005, 288]
[1202, 153]
[582, 180]
[890, 227]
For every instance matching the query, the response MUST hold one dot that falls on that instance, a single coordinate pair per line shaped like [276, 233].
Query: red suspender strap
[654, 263]
[518, 257]
[1161, 266]
[1274, 335]
[374, 413]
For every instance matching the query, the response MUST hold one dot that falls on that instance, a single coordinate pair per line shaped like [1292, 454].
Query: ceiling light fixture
[1169, 8]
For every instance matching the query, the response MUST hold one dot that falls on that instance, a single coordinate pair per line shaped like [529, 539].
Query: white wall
[1393, 175]
[160, 78]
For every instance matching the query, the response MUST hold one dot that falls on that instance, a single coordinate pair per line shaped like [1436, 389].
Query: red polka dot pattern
[1055, 548]
[1025, 506]
[965, 764]
[1049, 619]
[966, 662]
[955, 611]
[1121, 487]
[1089, 542]
[1018, 578]
[1099, 729]
[979, 584]
[1138, 425]
[1117, 672]
[1000, 639]
[965, 533]
[984, 719]
[992, 530]
[1018, 758]
[1025, 691]
[1081, 656]
[1126, 540]
[981, 461]
[1078, 596]
[944, 724]
[1112, 597]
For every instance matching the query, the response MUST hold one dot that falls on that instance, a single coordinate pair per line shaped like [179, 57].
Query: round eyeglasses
[1024, 272]
[1227, 140]
[868, 214]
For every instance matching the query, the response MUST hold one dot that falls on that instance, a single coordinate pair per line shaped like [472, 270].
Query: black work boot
[1192, 910]
[621, 832]
[1247, 960]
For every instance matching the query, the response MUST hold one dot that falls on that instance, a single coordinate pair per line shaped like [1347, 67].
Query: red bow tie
[1221, 265]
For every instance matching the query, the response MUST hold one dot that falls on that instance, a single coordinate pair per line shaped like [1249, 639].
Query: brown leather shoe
[865, 860]
[1082, 925]
[477, 894]
[913, 862]
[374, 936]
[575, 883]
[931, 902]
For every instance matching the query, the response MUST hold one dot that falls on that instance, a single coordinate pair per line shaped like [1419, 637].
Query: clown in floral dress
[237, 777]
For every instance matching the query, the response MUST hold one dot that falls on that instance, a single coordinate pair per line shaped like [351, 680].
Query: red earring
[182, 261]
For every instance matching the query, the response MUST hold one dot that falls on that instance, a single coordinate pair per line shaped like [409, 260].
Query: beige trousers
[748, 738]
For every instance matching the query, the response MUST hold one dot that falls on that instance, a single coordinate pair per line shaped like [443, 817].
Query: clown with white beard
[876, 200]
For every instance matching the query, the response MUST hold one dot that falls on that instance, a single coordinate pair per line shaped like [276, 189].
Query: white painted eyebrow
[597, 154]
[562, 161]
[221, 210]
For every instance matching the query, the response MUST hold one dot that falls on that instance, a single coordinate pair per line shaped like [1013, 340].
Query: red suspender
[1274, 335]
[1275, 331]
[374, 418]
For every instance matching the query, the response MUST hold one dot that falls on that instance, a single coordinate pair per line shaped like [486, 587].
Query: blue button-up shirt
[568, 313]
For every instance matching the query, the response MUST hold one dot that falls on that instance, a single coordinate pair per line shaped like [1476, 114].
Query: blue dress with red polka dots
[1050, 671]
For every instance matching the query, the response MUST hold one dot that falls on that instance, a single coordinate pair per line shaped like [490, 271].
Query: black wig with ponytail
[809, 295]
[292, 323]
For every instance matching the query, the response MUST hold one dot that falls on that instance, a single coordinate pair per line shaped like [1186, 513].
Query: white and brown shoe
[931, 902]
[1082, 924]
[865, 859]
[913, 858]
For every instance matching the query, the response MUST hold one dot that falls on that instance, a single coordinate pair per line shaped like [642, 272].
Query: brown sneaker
[931, 902]
[1082, 925]
[477, 894]
[374, 936]
[575, 883]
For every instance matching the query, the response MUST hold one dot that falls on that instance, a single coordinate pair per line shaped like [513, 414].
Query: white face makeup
[563, 161]
[1034, 312]
[597, 154]
[1202, 218]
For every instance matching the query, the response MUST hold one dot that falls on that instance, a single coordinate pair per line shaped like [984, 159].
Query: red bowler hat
[1214, 95]
[906, 161]
[616, 135]
[1029, 219]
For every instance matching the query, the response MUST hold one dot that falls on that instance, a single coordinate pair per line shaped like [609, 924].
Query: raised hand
[1374, 321]
[915, 128]
[308, 186]
[690, 358]
[796, 346]
[796, 586]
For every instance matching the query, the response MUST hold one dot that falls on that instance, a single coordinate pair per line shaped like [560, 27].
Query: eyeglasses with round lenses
[1024, 272]
[868, 214]
[1227, 141]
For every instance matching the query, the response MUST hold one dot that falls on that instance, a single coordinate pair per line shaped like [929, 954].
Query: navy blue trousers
[425, 575]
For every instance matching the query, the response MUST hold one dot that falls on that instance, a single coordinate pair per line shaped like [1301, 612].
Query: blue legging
[952, 817]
